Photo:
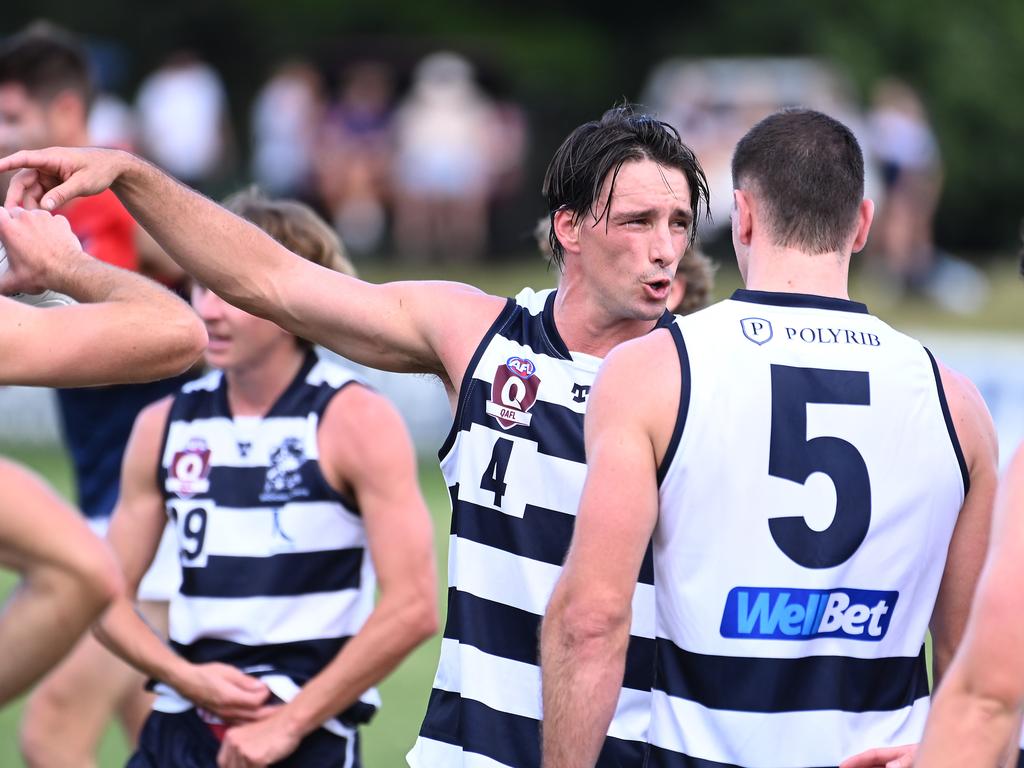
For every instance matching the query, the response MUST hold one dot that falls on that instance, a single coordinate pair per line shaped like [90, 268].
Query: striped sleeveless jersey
[808, 498]
[514, 464]
[276, 575]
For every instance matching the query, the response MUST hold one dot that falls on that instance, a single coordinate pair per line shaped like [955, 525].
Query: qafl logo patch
[514, 392]
[189, 471]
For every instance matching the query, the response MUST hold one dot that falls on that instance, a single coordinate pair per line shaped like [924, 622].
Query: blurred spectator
[112, 122]
[904, 145]
[443, 166]
[183, 120]
[354, 161]
[285, 120]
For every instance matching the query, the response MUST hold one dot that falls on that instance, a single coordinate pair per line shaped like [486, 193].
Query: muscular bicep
[408, 327]
[139, 516]
[366, 447]
[970, 539]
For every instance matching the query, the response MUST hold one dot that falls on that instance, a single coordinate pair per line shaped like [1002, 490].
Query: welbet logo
[513, 392]
[757, 329]
[768, 613]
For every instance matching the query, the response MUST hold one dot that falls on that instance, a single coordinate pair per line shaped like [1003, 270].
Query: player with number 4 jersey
[292, 487]
[818, 488]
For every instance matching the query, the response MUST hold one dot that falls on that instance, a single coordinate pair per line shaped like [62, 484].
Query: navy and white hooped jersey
[514, 464]
[808, 498]
[276, 574]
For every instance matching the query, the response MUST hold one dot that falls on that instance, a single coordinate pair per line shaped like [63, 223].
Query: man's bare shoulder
[971, 418]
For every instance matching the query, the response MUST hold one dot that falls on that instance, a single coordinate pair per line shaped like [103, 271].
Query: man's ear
[865, 215]
[742, 217]
[566, 231]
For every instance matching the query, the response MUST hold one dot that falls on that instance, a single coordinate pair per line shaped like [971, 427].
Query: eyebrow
[647, 213]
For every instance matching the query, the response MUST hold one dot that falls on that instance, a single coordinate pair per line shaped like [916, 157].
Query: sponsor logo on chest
[513, 392]
[769, 613]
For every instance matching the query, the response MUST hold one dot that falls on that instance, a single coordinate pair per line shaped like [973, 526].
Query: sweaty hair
[295, 226]
[597, 150]
[807, 171]
[46, 60]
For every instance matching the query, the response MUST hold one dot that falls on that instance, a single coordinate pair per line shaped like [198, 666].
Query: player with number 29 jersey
[792, 651]
[514, 463]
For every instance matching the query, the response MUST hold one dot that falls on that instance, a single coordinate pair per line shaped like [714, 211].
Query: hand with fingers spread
[225, 691]
[41, 251]
[884, 757]
[50, 178]
[260, 743]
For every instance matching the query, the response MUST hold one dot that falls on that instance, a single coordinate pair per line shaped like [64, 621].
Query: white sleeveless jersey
[276, 573]
[807, 498]
[514, 463]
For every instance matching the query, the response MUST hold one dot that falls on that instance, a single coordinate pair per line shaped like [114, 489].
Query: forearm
[42, 620]
[225, 253]
[391, 632]
[967, 727]
[582, 675]
[126, 635]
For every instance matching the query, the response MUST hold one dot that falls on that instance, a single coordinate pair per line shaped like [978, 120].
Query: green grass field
[385, 741]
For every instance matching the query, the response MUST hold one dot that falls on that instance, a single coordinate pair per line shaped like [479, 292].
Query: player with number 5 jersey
[292, 487]
[818, 488]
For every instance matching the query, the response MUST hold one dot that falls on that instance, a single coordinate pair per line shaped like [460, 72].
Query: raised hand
[50, 178]
[41, 250]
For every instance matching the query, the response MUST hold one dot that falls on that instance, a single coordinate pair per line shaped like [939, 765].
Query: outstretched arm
[69, 576]
[428, 327]
[126, 329]
[134, 534]
[586, 627]
[364, 447]
[977, 710]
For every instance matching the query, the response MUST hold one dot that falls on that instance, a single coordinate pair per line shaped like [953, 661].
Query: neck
[586, 326]
[786, 270]
[252, 391]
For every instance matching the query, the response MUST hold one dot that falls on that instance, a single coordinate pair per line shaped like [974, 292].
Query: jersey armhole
[684, 402]
[320, 408]
[965, 475]
[467, 377]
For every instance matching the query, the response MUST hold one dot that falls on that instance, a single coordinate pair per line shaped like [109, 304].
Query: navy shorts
[184, 741]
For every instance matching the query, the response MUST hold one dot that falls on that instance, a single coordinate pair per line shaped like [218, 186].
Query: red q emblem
[189, 469]
[514, 392]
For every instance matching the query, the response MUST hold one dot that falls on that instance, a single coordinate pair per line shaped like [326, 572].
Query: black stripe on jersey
[557, 430]
[540, 534]
[468, 382]
[510, 739]
[779, 299]
[242, 487]
[287, 574]
[299, 660]
[512, 633]
[803, 684]
[552, 339]
[949, 423]
[684, 401]
[666, 758]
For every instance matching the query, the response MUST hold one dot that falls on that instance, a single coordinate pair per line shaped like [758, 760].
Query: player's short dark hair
[46, 60]
[807, 171]
[600, 147]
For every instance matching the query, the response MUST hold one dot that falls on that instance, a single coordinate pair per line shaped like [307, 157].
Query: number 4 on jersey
[494, 475]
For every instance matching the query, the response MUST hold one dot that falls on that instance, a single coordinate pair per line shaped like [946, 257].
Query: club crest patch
[189, 470]
[284, 478]
[757, 330]
[514, 392]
